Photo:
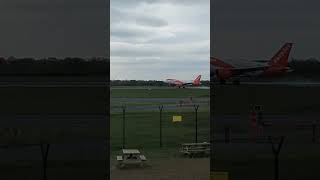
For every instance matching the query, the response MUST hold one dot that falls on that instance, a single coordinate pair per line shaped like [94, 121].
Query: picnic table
[131, 157]
[195, 149]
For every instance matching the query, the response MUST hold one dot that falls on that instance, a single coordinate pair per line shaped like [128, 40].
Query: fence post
[44, 153]
[314, 126]
[227, 134]
[196, 107]
[276, 153]
[123, 127]
[160, 124]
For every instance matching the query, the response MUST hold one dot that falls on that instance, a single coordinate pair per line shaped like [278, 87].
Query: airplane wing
[188, 83]
[239, 71]
[261, 61]
[175, 82]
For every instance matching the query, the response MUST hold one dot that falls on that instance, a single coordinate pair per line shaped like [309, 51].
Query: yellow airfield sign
[215, 175]
[176, 119]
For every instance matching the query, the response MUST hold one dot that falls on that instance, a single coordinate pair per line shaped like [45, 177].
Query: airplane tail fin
[280, 59]
[220, 64]
[197, 80]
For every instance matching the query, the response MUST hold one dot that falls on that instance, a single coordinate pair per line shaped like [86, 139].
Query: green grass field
[252, 161]
[25, 163]
[142, 127]
[249, 160]
[53, 99]
[158, 92]
[48, 100]
[142, 131]
[281, 99]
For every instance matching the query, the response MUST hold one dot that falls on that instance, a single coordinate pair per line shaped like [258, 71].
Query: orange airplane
[276, 66]
[182, 84]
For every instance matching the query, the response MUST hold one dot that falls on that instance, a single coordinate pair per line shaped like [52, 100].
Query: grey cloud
[38, 28]
[117, 15]
[149, 61]
[147, 21]
[135, 2]
[135, 35]
[133, 26]
[147, 72]
[265, 7]
[162, 50]
[255, 29]
[126, 33]
[56, 6]
[139, 18]
[147, 40]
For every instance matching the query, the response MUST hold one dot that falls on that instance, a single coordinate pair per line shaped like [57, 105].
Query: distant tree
[54, 66]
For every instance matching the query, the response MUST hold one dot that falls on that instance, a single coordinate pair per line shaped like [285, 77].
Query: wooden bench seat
[143, 158]
[119, 158]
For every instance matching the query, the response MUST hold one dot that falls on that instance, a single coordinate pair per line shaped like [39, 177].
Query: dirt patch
[166, 169]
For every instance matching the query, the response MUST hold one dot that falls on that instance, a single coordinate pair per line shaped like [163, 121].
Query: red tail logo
[197, 80]
[281, 58]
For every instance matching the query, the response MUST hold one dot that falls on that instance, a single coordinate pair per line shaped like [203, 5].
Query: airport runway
[54, 81]
[157, 100]
[286, 83]
[275, 117]
[66, 120]
[155, 87]
[282, 83]
[106, 84]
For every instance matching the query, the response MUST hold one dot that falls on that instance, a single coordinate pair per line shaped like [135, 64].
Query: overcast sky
[48, 28]
[159, 39]
[256, 29]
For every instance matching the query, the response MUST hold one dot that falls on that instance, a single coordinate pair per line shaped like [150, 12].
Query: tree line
[307, 68]
[54, 66]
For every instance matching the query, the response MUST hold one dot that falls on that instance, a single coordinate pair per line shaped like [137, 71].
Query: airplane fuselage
[179, 83]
